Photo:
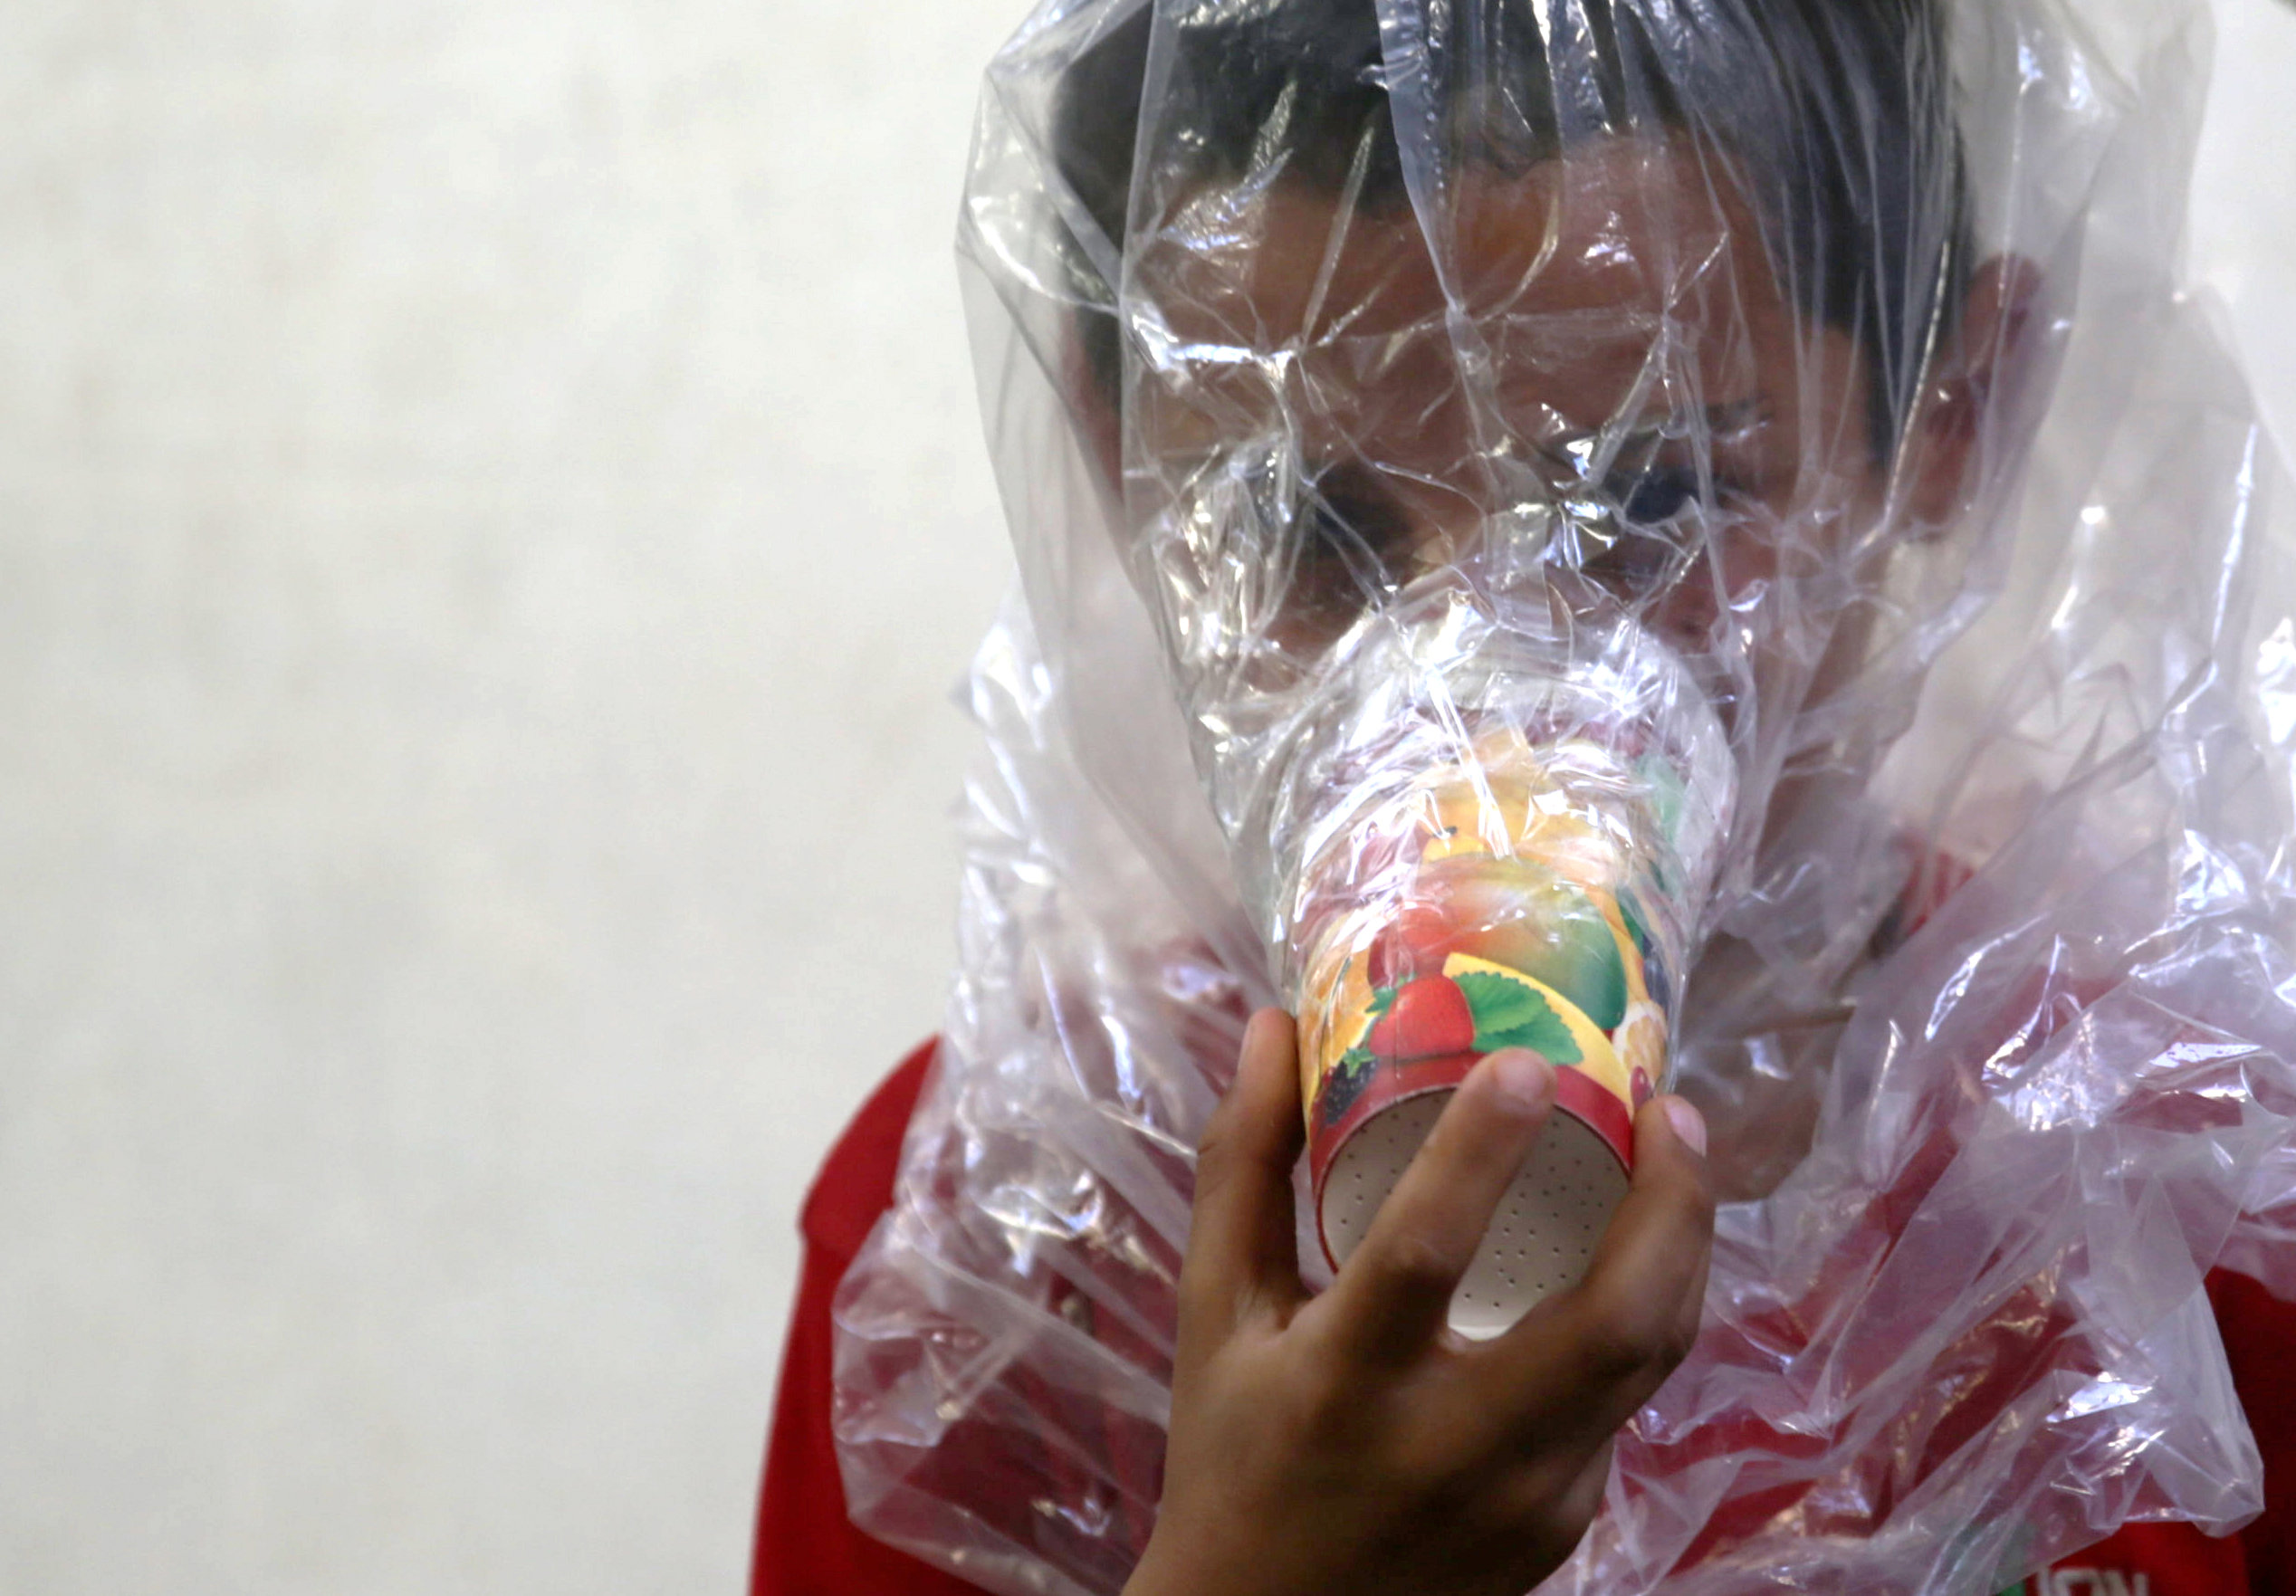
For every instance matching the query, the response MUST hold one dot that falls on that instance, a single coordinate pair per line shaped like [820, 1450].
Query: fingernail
[1688, 1123]
[1265, 1021]
[1522, 1077]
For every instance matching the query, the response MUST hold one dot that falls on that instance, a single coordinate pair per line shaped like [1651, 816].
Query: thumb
[1242, 1253]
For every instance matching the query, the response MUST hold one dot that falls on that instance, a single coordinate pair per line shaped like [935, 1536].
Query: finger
[1549, 1507]
[1241, 1249]
[1392, 1294]
[1690, 1314]
[1584, 1498]
[1572, 1512]
[1585, 1361]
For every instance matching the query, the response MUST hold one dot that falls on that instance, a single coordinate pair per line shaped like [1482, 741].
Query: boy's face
[1646, 370]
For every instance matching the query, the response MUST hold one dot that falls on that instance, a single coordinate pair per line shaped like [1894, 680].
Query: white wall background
[489, 506]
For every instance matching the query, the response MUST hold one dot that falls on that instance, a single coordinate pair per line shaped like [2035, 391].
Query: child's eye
[1635, 563]
[1658, 495]
[1649, 548]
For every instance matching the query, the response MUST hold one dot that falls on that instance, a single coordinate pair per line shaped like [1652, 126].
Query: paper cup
[1511, 907]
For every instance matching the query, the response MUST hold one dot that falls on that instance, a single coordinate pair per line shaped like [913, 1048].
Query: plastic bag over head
[1700, 536]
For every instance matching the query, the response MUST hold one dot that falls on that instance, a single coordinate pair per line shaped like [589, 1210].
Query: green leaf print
[1510, 1013]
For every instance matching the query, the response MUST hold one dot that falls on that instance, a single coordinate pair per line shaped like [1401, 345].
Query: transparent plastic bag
[1833, 352]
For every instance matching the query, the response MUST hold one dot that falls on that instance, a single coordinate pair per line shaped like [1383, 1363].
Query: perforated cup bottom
[1541, 1238]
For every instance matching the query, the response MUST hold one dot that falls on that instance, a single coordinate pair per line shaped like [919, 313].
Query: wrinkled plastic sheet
[1993, 1021]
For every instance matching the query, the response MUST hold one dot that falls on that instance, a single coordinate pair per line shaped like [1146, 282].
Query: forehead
[1577, 275]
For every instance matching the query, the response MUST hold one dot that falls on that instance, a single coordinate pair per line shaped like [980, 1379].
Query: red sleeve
[806, 1545]
[2149, 1560]
[2177, 1560]
[2260, 1336]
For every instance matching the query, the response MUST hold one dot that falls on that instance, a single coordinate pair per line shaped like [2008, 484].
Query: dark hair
[1839, 112]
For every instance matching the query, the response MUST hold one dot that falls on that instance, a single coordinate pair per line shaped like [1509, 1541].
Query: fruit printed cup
[1536, 893]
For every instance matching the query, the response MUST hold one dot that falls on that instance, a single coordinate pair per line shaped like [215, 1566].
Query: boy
[1696, 289]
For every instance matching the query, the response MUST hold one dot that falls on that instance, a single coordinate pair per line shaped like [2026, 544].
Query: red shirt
[807, 1546]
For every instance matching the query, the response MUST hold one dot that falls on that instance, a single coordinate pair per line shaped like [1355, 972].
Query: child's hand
[1350, 1442]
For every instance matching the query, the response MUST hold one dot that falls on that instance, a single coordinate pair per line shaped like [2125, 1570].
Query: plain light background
[491, 507]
